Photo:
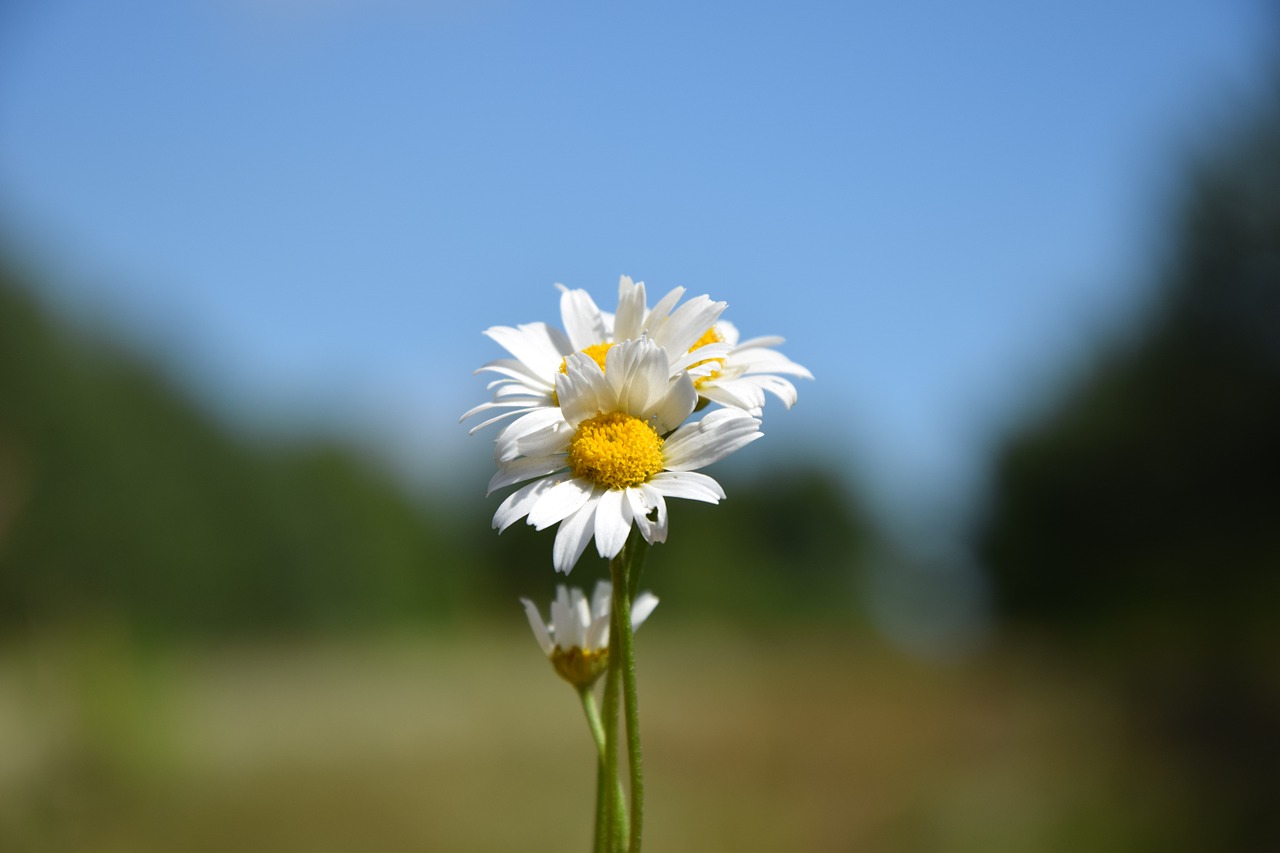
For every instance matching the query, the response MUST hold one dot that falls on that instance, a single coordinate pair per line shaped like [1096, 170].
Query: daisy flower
[741, 378]
[527, 383]
[576, 639]
[617, 453]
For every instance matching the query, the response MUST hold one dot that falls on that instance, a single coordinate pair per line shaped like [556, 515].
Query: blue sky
[310, 210]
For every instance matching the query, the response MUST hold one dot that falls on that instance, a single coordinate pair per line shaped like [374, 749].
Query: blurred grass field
[753, 741]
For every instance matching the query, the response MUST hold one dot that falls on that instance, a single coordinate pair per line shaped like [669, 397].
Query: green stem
[606, 805]
[622, 656]
[615, 815]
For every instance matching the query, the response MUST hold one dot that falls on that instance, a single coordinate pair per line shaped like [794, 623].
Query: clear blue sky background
[311, 209]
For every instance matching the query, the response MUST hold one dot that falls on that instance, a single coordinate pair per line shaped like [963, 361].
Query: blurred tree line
[122, 499]
[1137, 523]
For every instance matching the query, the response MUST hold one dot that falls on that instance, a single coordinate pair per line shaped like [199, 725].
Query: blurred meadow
[240, 614]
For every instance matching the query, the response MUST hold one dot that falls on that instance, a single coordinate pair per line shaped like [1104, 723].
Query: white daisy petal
[777, 386]
[688, 484]
[718, 434]
[613, 522]
[559, 502]
[676, 405]
[769, 361]
[493, 404]
[657, 317]
[518, 371]
[572, 538]
[641, 608]
[537, 345]
[644, 377]
[729, 332]
[653, 497]
[762, 341]
[539, 627]
[688, 323]
[582, 319]
[735, 394]
[640, 509]
[581, 619]
[706, 352]
[600, 597]
[524, 468]
[583, 390]
[563, 619]
[547, 441]
[754, 359]
[629, 321]
[598, 631]
[507, 444]
[519, 502]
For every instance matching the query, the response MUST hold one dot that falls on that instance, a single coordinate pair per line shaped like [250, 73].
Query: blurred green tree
[1140, 518]
[121, 498]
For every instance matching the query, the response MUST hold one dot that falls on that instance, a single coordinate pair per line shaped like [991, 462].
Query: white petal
[641, 376]
[654, 498]
[640, 509]
[763, 341]
[583, 390]
[537, 345]
[507, 444]
[539, 627]
[729, 332]
[512, 407]
[519, 371]
[689, 322]
[676, 405]
[688, 484]
[613, 523]
[598, 633]
[558, 503]
[600, 598]
[781, 388]
[718, 434]
[546, 441]
[572, 538]
[706, 352]
[641, 608]
[581, 619]
[519, 502]
[582, 319]
[657, 317]
[768, 361]
[736, 394]
[629, 322]
[524, 468]
[562, 631]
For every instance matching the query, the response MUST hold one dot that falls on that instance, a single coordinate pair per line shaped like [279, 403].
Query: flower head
[617, 447]
[576, 639]
[741, 378]
[527, 381]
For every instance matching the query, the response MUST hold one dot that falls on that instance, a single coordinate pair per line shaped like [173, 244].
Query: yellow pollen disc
[580, 667]
[710, 336]
[597, 353]
[615, 451]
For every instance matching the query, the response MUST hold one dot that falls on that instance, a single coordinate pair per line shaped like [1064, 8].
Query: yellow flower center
[615, 450]
[710, 336]
[580, 667]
